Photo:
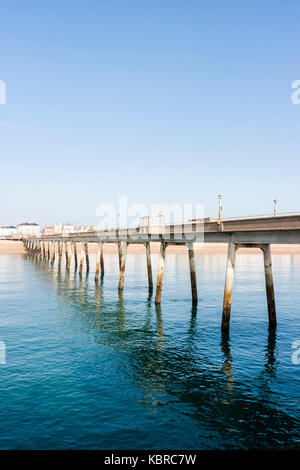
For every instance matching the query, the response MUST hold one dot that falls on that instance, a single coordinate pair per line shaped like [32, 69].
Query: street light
[220, 208]
[275, 207]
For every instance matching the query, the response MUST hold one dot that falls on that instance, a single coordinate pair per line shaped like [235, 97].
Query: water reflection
[164, 363]
[270, 353]
[78, 292]
[159, 324]
[227, 367]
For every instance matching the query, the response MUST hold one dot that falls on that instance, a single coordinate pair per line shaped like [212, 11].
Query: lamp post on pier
[275, 207]
[220, 208]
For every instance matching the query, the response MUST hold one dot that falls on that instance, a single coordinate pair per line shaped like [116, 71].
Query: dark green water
[86, 368]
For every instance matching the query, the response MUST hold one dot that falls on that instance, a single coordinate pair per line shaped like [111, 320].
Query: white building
[63, 228]
[8, 232]
[85, 228]
[152, 224]
[29, 229]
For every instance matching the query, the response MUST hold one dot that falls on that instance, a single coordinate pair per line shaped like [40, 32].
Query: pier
[256, 232]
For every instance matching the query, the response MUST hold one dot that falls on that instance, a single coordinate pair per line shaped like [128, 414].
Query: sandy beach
[17, 247]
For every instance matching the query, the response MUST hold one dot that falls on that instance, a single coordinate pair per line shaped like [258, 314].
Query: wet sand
[17, 247]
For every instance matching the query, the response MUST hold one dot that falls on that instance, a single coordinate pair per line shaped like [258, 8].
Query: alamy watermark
[295, 97]
[2, 352]
[2, 92]
[169, 221]
[296, 353]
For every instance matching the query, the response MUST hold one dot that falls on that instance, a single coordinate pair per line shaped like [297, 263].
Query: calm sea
[89, 369]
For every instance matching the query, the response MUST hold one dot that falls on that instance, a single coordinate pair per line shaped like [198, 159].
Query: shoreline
[17, 247]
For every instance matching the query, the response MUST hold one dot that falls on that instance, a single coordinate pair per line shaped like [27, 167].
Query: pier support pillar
[102, 260]
[98, 261]
[149, 266]
[269, 285]
[190, 247]
[53, 252]
[59, 253]
[228, 285]
[87, 259]
[123, 252]
[81, 259]
[48, 251]
[75, 256]
[160, 272]
[68, 255]
[120, 253]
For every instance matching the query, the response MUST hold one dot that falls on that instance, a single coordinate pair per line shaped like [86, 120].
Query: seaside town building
[29, 229]
[8, 232]
[63, 228]
[152, 224]
[48, 230]
[85, 228]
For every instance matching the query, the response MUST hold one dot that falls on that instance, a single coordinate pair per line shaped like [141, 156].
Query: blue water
[89, 369]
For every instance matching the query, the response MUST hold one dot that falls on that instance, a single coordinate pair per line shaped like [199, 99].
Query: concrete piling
[59, 250]
[102, 260]
[149, 266]
[120, 252]
[269, 285]
[66, 253]
[81, 259]
[123, 251]
[53, 252]
[69, 255]
[160, 272]
[87, 259]
[190, 247]
[228, 285]
[75, 255]
[98, 261]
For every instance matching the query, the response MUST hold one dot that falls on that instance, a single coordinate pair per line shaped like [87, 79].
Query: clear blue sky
[164, 101]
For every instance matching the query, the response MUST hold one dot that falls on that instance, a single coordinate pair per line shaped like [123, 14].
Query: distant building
[29, 229]
[85, 228]
[152, 224]
[8, 232]
[63, 228]
[49, 230]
